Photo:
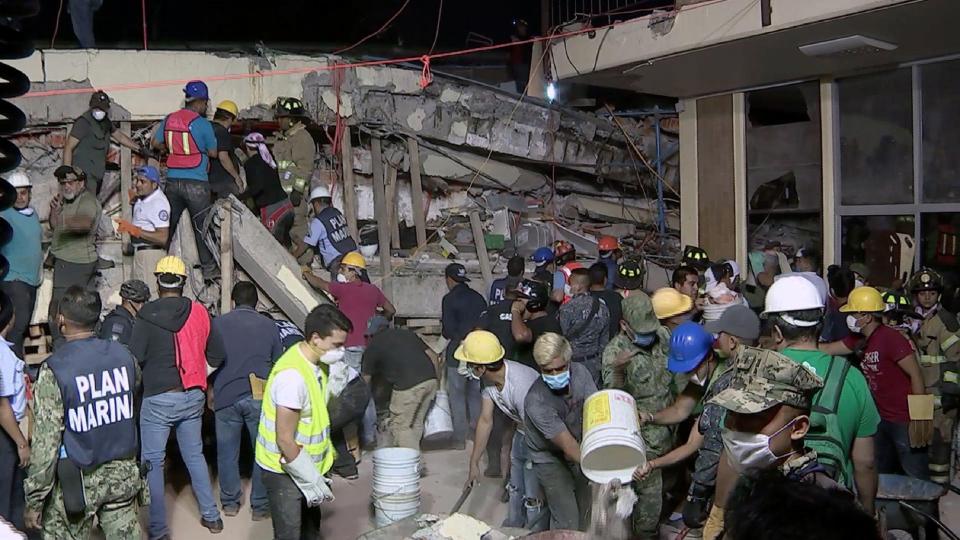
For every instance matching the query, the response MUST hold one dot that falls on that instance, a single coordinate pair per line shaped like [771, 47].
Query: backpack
[823, 436]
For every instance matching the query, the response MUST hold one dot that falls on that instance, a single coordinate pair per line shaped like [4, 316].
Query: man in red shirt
[359, 301]
[889, 363]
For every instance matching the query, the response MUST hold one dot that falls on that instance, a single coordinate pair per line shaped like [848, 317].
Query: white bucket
[612, 446]
[396, 470]
[439, 421]
[390, 508]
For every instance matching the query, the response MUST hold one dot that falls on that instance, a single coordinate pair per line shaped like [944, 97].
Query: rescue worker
[520, 55]
[672, 307]
[531, 319]
[150, 230]
[686, 280]
[224, 170]
[293, 443]
[84, 463]
[899, 314]
[629, 278]
[190, 144]
[937, 339]
[506, 384]
[329, 236]
[845, 418]
[609, 249]
[73, 217]
[543, 259]
[118, 324]
[610, 297]
[585, 321]
[635, 361]
[263, 186]
[498, 288]
[25, 255]
[565, 261]
[696, 257]
[14, 447]
[295, 153]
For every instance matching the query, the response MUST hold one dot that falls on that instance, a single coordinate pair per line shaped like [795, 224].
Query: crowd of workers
[779, 375]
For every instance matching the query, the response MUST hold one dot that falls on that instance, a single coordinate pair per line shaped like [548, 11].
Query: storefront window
[884, 243]
[940, 84]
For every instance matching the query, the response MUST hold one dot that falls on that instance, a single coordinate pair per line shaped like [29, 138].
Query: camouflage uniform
[294, 152]
[647, 379]
[111, 490]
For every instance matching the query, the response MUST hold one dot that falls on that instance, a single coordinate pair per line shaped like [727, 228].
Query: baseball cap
[62, 171]
[376, 324]
[860, 268]
[738, 320]
[456, 272]
[629, 275]
[150, 173]
[763, 379]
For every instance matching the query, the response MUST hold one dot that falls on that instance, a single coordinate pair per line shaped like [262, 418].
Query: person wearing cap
[329, 236]
[861, 273]
[768, 406]
[506, 384]
[585, 321]
[672, 307]
[88, 143]
[889, 363]
[187, 137]
[225, 168]
[150, 229]
[74, 214]
[565, 262]
[459, 314]
[553, 424]
[696, 257]
[845, 423]
[263, 186]
[515, 268]
[543, 259]
[402, 362]
[251, 346]
[635, 361]
[175, 344]
[609, 252]
[630, 274]
[118, 324]
[610, 297]
[295, 151]
[900, 315]
[530, 319]
[24, 254]
[14, 447]
[937, 337]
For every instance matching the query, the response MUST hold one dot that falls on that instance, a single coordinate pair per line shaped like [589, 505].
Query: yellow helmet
[668, 302]
[480, 347]
[864, 300]
[354, 259]
[171, 264]
[230, 107]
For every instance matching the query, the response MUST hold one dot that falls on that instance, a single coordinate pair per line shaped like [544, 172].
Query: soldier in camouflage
[937, 340]
[635, 361]
[96, 441]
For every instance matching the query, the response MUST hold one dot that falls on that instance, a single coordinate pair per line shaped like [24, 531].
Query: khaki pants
[408, 409]
[144, 263]
[301, 224]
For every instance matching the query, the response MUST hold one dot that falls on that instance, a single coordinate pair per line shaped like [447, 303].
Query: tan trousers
[144, 263]
[714, 525]
[408, 409]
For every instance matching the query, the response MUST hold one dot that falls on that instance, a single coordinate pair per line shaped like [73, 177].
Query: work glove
[296, 198]
[124, 226]
[311, 483]
[921, 419]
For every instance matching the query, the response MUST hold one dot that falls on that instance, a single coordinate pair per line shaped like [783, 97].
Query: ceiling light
[847, 45]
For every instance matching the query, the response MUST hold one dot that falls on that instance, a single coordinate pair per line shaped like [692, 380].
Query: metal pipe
[661, 211]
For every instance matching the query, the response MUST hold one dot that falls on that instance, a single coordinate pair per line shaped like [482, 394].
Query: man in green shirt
[74, 212]
[842, 438]
[87, 145]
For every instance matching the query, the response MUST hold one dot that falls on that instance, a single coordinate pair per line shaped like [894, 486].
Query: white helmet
[19, 179]
[792, 293]
[318, 192]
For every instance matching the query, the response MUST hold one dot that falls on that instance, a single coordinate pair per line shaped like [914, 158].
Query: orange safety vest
[182, 147]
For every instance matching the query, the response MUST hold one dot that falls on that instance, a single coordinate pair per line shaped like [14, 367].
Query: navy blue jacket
[459, 315]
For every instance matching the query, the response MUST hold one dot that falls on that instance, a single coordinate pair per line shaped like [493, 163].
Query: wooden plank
[349, 185]
[416, 192]
[392, 195]
[226, 257]
[481, 250]
[126, 184]
[380, 209]
[715, 175]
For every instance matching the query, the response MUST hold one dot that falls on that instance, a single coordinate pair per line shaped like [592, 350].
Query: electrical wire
[379, 30]
[56, 24]
[436, 33]
[143, 16]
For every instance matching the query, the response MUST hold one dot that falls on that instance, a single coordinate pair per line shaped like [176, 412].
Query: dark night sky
[309, 23]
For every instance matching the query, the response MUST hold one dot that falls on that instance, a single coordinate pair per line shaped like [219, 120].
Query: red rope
[143, 14]
[426, 77]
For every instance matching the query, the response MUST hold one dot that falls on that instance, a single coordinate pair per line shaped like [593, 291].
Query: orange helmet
[561, 248]
[607, 243]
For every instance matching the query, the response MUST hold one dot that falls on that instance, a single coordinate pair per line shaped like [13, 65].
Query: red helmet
[607, 243]
[561, 248]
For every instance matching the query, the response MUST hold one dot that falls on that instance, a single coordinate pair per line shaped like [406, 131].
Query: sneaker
[215, 526]
[105, 264]
[231, 510]
[349, 473]
[260, 515]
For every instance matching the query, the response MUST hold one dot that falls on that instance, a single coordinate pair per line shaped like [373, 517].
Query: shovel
[463, 497]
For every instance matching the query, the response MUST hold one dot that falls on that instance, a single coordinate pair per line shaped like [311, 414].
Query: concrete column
[828, 155]
[689, 195]
[740, 175]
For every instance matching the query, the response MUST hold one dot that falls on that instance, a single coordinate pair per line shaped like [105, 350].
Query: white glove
[311, 483]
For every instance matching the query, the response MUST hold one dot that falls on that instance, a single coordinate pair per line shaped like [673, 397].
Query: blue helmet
[542, 256]
[196, 90]
[689, 345]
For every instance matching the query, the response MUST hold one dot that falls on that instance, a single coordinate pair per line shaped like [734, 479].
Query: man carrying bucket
[507, 383]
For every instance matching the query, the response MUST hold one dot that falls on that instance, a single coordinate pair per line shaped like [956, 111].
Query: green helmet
[638, 312]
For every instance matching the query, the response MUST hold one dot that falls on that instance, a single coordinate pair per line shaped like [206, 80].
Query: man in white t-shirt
[14, 449]
[150, 229]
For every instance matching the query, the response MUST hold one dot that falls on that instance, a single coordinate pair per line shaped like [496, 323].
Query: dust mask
[852, 324]
[333, 356]
[858, 283]
[98, 115]
[748, 451]
[341, 278]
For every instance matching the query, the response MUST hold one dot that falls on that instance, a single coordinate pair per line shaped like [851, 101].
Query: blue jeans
[194, 197]
[894, 454]
[353, 356]
[464, 403]
[230, 423]
[81, 15]
[526, 495]
[183, 412]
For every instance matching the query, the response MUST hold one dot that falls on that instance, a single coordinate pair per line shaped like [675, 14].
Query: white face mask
[852, 324]
[333, 356]
[858, 283]
[566, 290]
[99, 115]
[751, 450]
[341, 278]
[697, 380]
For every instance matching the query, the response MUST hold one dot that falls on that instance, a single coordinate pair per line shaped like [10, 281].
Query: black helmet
[288, 106]
[135, 291]
[535, 293]
[696, 257]
[926, 280]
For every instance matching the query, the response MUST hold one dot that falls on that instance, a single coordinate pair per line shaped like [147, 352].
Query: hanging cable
[436, 32]
[143, 17]
[56, 24]
[379, 30]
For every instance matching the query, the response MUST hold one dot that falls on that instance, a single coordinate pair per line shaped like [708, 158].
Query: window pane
[876, 138]
[783, 166]
[940, 241]
[884, 243]
[941, 131]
